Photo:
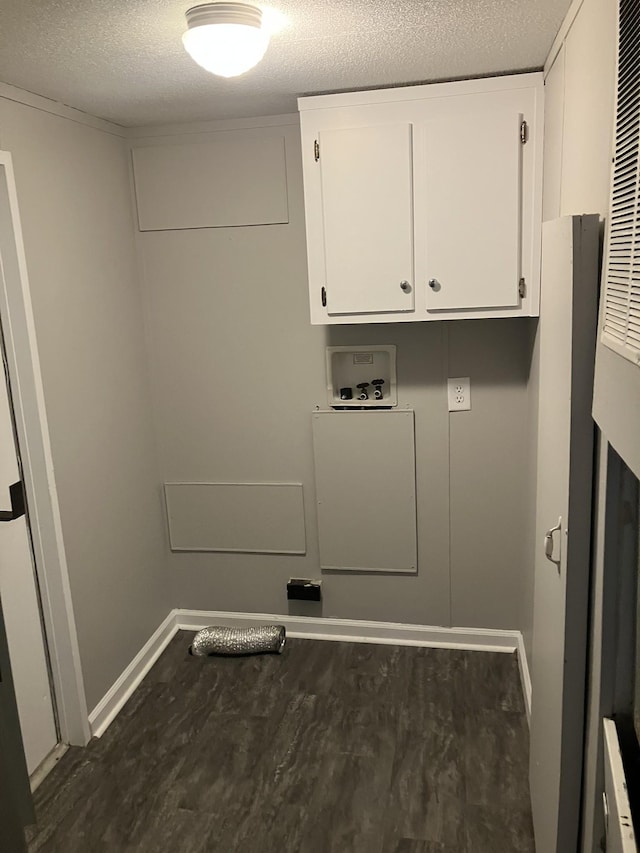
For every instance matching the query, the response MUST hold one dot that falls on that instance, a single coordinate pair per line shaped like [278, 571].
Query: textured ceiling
[123, 60]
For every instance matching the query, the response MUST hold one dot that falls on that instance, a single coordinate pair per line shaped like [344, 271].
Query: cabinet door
[367, 210]
[468, 198]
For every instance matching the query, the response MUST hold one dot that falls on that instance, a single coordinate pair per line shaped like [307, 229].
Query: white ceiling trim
[563, 32]
[288, 119]
[496, 83]
[38, 102]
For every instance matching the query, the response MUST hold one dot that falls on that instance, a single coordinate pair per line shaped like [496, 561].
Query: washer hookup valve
[364, 395]
[377, 383]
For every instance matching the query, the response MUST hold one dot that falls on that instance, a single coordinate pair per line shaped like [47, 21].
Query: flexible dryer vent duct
[217, 640]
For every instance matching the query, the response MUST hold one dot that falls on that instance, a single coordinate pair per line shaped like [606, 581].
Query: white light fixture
[226, 38]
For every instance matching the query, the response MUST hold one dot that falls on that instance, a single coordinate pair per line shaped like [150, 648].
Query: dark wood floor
[328, 748]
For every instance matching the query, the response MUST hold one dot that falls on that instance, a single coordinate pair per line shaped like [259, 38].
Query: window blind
[621, 313]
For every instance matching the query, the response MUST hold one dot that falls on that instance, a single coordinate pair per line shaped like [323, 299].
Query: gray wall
[580, 91]
[74, 197]
[491, 565]
[237, 370]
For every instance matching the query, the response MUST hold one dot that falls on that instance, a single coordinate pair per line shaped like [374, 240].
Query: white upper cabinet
[424, 203]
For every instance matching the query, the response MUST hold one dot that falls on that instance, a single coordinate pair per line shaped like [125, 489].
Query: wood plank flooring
[327, 748]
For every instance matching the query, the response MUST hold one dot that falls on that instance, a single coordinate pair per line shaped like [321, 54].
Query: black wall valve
[377, 383]
[364, 395]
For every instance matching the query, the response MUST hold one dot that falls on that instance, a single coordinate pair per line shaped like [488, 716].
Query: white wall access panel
[365, 490]
[360, 214]
[251, 518]
[211, 184]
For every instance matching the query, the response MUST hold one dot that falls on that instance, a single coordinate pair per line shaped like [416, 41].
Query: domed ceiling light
[226, 38]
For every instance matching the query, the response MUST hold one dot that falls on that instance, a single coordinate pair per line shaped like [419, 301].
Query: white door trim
[619, 829]
[33, 436]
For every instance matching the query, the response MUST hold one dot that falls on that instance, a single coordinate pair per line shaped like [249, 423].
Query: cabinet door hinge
[316, 150]
[522, 288]
[323, 297]
[524, 132]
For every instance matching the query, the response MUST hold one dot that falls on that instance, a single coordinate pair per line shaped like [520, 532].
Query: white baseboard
[346, 630]
[113, 700]
[525, 676]
[358, 631]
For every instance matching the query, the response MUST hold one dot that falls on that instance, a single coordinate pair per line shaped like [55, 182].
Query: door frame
[574, 567]
[612, 657]
[27, 397]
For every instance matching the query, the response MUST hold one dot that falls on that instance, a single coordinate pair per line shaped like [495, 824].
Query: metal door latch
[549, 544]
[16, 493]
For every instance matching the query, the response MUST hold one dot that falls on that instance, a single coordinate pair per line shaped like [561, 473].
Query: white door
[20, 603]
[566, 339]
[469, 208]
[367, 209]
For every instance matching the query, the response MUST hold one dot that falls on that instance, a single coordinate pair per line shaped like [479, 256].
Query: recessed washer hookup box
[362, 377]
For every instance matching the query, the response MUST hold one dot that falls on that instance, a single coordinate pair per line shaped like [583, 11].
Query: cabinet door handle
[434, 284]
[323, 297]
[405, 287]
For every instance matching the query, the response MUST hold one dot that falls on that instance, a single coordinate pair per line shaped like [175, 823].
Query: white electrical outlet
[459, 391]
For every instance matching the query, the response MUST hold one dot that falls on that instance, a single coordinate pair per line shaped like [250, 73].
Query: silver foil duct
[216, 640]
